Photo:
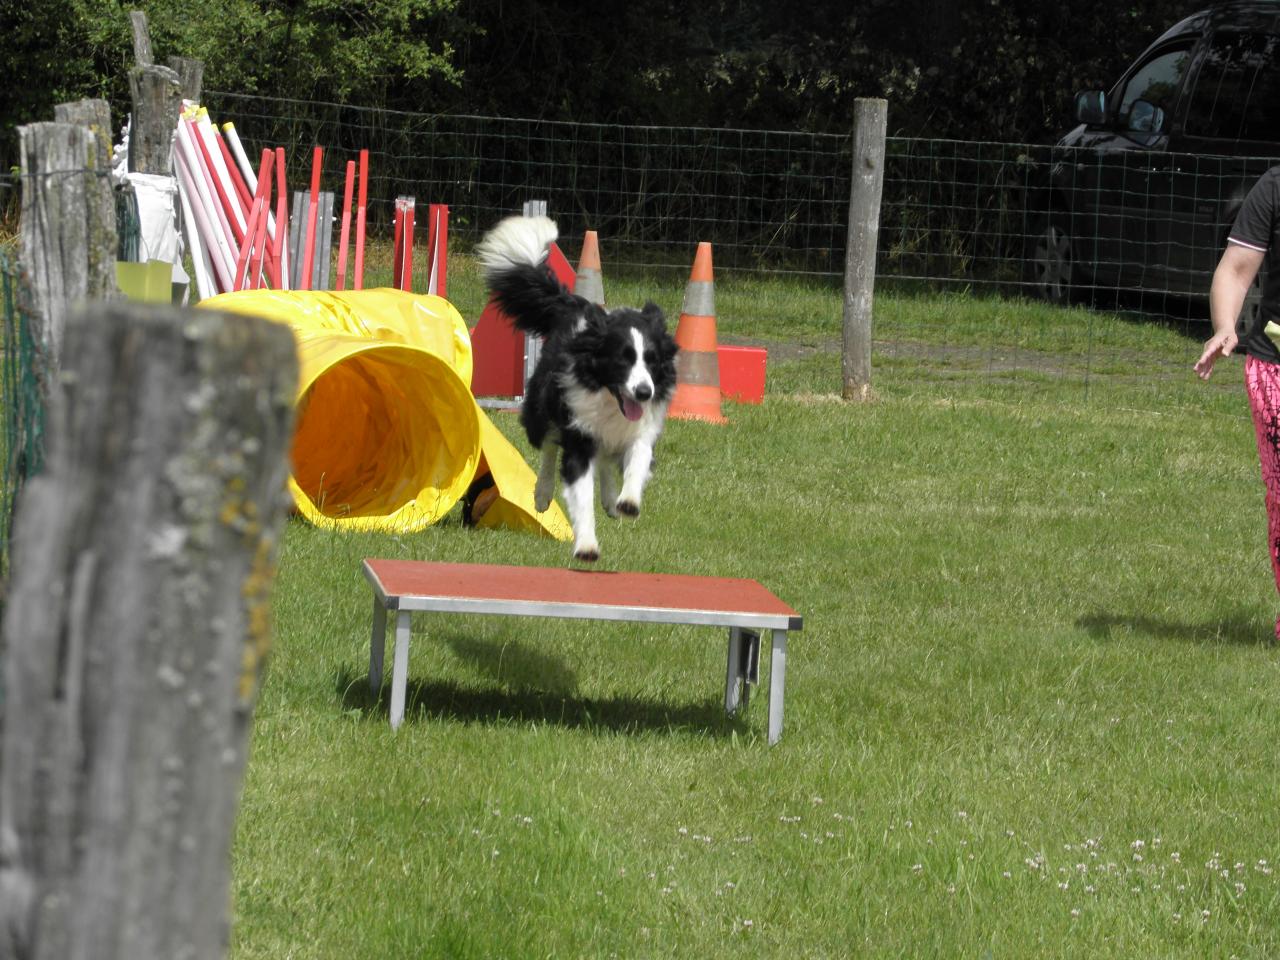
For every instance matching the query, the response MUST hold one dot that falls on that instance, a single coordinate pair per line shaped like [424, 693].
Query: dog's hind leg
[609, 471]
[635, 474]
[545, 488]
[579, 497]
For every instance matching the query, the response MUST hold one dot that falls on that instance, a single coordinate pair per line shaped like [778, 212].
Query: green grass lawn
[1031, 712]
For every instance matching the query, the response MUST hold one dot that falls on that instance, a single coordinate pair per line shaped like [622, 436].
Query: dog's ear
[653, 313]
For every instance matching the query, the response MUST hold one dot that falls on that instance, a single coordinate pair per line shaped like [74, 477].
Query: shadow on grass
[449, 700]
[515, 665]
[1239, 629]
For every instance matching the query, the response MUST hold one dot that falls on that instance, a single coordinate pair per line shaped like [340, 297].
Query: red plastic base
[742, 373]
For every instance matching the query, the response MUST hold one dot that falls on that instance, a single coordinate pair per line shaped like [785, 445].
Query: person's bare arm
[1231, 280]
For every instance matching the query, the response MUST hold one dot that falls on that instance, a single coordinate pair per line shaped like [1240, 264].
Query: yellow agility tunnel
[388, 435]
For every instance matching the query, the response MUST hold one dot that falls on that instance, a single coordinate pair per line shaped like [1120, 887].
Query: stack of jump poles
[236, 241]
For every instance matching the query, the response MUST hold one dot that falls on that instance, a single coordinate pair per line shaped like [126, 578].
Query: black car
[1140, 196]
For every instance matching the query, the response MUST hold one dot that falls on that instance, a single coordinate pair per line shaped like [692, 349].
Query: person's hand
[1219, 345]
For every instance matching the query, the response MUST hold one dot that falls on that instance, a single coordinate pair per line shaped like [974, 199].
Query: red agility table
[744, 606]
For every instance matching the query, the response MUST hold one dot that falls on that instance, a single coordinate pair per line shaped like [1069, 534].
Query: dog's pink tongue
[630, 409]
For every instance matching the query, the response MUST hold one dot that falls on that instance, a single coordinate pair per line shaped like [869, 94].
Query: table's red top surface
[666, 591]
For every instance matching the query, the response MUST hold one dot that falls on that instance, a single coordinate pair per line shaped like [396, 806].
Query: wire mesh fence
[769, 200]
[1132, 228]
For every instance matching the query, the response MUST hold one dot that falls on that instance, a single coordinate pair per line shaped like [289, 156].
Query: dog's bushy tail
[513, 260]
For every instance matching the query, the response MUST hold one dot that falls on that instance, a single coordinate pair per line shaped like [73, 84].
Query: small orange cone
[589, 284]
[697, 394]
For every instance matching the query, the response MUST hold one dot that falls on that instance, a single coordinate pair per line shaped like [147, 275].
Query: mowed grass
[1031, 712]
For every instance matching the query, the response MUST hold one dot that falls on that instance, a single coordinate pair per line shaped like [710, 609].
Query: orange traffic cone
[589, 284]
[697, 394]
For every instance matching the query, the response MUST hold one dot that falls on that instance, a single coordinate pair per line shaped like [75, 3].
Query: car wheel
[1050, 262]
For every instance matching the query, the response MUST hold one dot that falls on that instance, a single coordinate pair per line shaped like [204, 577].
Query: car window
[1156, 81]
[1237, 92]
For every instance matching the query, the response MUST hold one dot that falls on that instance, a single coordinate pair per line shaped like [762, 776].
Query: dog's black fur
[602, 384]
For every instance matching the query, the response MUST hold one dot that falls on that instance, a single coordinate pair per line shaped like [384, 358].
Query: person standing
[1254, 241]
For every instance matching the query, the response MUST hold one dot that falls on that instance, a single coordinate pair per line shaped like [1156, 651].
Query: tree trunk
[137, 625]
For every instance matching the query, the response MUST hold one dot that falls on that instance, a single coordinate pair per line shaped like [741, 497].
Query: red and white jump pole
[357, 281]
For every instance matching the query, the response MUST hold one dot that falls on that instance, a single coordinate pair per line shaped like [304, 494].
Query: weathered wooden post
[190, 76]
[96, 115]
[869, 122]
[137, 623]
[68, 229]
[157, 104]
[141, 38]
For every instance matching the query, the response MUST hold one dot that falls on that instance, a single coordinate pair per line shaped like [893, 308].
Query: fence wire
[1133, 228]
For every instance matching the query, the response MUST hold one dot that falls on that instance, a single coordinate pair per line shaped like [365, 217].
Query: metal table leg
[733, 671]
[777, 681]
[400, 668]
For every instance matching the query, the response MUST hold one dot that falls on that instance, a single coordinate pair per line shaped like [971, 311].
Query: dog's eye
[629, 354]
[650, 357]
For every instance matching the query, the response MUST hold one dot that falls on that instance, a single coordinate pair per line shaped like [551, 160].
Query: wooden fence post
[157, 104]
[68, 229]
[869, 122]
[190, 77]
[94, 114]
[141, 38]
[136, 627]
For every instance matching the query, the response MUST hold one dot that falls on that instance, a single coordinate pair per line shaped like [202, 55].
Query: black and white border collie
[600, 391]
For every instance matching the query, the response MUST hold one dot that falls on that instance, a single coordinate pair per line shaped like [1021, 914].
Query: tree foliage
[377, 52]
[983, 69]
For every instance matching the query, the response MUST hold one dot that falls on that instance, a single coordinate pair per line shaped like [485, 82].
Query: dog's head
[629, 353]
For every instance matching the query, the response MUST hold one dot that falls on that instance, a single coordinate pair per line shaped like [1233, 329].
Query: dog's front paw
[587, 553]
[542, 497]
[628, 507]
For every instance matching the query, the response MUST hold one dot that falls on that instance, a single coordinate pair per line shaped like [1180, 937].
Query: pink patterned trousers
[1262, 381]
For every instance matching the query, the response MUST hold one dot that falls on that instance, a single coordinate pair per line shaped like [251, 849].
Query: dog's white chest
[596, 413]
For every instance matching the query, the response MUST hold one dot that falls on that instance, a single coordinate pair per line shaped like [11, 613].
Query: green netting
[23, 402]
[128, 226]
